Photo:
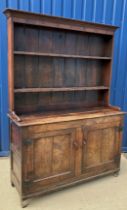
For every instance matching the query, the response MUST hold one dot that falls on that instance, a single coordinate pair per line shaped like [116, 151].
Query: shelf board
[60, 55]
[63, 115]
[65, 89]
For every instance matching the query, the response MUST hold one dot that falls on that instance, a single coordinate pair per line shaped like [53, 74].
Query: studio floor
[108, 193]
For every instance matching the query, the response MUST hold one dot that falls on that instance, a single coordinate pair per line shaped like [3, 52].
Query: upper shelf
[34, 90]
[61, 55]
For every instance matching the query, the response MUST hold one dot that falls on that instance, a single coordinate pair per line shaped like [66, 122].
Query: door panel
[108, 144]
[42, 157]
[61, 154]
[50, 158]
[92, 149]
[100, 146]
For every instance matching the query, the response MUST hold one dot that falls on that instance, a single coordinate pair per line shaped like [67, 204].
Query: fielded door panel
[101, 147]
[49, 157]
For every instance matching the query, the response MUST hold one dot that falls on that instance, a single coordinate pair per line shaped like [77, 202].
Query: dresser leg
[24, 203]
[116, 174]
[12, 184]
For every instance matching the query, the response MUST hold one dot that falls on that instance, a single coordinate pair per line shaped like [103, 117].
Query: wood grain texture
[91, 57]
[98, 149]
[10, 64]
[63, 130]
[73, 61]
[68, 153]
[62, 23]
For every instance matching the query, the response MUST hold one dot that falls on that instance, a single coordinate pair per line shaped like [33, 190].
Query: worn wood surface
[62, 23]
[62, 129]
[11, 64]
[56, 155]
[65, 116]
[61, 61]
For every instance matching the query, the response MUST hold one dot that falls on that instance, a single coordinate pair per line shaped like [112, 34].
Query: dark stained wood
[54, 101]
[62, 128]
[62, 23]
[61, 55]
[25, 90]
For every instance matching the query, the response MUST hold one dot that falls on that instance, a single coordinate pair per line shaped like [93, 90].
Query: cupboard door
[49, 158]
[101, 147]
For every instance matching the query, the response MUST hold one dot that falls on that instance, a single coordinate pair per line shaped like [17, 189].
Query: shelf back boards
[57, 68]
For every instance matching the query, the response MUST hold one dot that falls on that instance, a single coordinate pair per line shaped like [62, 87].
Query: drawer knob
[84, 142]
[75, 143]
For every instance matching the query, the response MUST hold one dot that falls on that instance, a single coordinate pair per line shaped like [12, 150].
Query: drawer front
[48, 160]
[37, 130]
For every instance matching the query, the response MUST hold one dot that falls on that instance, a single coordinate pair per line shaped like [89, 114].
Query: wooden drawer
[35, 130]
